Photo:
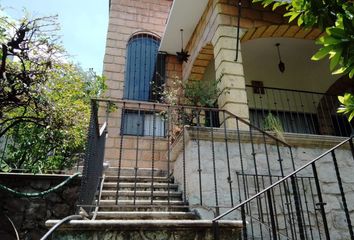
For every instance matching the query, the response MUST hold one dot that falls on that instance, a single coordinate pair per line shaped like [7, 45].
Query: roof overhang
[184, 14]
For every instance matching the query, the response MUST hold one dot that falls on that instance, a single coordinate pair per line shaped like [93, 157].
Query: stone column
[230, 73]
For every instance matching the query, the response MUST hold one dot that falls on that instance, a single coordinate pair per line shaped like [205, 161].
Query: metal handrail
[99, 198]
[61, 222]
[290, 90]
[191, 107]
[94, 158]
[281, 180]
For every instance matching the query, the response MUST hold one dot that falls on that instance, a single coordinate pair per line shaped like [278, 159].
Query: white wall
[260, 62]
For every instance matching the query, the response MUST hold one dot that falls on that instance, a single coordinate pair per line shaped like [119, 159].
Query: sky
[83, 23]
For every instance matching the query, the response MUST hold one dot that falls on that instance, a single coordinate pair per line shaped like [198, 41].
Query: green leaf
[322, 53]
[292, 15]
[340, 70]
[351, 73]
[351, 115]
[328, 40]
[341, 99]
[335, 59]
[336, 32]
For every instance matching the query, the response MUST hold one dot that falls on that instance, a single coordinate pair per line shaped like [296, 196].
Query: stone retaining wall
[304, 149]
[28, 214]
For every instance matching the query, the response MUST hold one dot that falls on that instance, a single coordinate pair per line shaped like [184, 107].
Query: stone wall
[304, 149]
[29, 214]
[127, 17]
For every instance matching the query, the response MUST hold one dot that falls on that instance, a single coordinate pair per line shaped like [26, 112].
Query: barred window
[144, 78]
[145, 66]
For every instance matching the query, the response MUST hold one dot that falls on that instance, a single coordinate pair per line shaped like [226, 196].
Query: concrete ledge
[142, 224]
[4, 175]
[311, 140]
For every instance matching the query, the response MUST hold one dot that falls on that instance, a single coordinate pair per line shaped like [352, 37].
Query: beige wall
[214, 39]
[216, 30]
[127, 17]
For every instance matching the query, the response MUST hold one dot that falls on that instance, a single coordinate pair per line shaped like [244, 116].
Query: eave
[184, 14]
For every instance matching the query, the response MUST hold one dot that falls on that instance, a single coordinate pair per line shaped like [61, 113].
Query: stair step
[146, 229]
[144, 208]
[134, 224]
[145, 215]
[139, 185]
[131, 172]
[142, 193]
[147, 193]
[114, 178]
[122, 202]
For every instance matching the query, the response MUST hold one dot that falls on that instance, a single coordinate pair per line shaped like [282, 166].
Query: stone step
[161, 195]
[114, 178]
[131, 172]
[146, 229]
[140, 185]
[144, 215]
[142, 193]
[156, 203]
[144, 208]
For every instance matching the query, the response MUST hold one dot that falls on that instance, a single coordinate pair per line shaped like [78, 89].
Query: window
[144, 78]
[294, 122]
[144, 67]
[143, 123]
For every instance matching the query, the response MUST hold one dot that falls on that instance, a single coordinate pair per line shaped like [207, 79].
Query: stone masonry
[126, 18]
[214, 39]
[29, 214]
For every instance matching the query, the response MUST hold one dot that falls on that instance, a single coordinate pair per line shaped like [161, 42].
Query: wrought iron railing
[221, 163]
[199, 148]
[297, 111]
[309, 203]
[94, 157]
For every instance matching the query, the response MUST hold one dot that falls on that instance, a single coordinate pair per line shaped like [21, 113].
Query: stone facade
[217, 28]
[214, 39]
[127, 18]
[304, 149]
[30, 214]
[144, 234]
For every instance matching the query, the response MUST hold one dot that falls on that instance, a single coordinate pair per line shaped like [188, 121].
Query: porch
[207, 170]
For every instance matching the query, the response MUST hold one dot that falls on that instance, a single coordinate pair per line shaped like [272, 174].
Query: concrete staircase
[142, 214]
[136, 200]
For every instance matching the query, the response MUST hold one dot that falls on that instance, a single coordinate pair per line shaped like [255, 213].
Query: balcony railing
[297, 111]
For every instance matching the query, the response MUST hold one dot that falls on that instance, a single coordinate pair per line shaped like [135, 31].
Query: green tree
[59, 143]
[45, 101]
[336, 19]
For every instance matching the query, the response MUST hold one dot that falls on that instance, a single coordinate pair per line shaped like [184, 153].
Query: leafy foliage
[347, 105]
[200, 93]
[46, 100]
[196, 93]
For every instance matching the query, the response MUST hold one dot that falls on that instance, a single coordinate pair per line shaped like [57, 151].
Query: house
[221, 163]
